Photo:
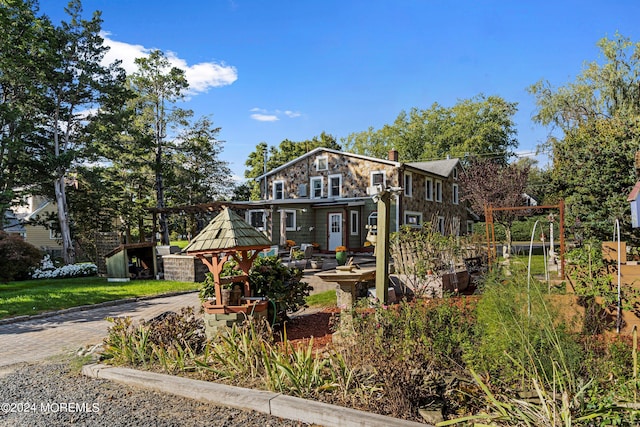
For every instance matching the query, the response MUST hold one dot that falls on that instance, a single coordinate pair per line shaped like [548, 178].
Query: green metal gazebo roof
[226, 232]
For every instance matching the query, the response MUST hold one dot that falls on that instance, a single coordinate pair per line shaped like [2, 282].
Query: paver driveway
[38, 339]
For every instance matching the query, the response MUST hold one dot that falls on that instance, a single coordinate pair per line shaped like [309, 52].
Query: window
[441, 224]
[316, 187]
[413, 219]
[256, 219]
[378, 178]
[335, 185]
[455, 173]
[408, 184]
[54, 233]
[438, 192]
[278, 190]
[290, 220]
[469, 227]
[456, 198]
[455, 226]
[354, 226]
[372, 221]
[428, 188]
[322, 163]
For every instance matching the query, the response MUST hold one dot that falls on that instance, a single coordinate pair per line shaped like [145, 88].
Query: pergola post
[382, 247]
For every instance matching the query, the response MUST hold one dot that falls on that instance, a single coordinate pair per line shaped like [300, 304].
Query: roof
[437, 167]
[11, 223]
[225, 232]
[130, 246]
[634, 193]
[328, 150]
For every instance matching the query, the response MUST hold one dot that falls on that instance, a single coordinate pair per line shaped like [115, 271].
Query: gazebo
[227, 237]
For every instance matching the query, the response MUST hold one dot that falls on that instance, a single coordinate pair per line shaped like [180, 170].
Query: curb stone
[276, 404]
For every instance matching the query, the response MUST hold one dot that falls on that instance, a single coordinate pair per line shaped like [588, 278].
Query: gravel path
[53, 394]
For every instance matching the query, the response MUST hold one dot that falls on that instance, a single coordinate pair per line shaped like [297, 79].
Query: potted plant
[297, 258]
[341, 255]
[317, 262]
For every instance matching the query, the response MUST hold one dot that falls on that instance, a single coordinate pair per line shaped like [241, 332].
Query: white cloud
[201, 77]
[263, 115]
[292, 114]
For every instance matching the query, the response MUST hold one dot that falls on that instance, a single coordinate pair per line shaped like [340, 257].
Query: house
[321, 197]
[21, 220]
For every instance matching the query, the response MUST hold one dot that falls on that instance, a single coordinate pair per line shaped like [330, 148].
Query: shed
[132, 261]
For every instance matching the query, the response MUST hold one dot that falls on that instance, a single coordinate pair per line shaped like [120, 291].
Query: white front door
[335, 230]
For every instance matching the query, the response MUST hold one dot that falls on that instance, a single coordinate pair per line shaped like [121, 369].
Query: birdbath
[348, 281]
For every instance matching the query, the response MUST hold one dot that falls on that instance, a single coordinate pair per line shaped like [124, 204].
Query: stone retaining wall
[184, 268]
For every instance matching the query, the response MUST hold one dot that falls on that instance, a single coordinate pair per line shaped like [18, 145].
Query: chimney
[393, 155]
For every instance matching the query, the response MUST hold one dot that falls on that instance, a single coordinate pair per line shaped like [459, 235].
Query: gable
[321, 151]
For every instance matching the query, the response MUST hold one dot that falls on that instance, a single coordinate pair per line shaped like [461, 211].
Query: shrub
[48, 270]
[172, 339]
[515, 342]
[17, 257]
[270, 278]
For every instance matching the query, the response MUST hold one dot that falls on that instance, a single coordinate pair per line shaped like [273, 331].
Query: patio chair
[307, 248]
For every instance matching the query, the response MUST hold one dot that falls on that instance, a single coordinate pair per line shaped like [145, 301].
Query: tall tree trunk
[141, 235]
[68, 251]
[164, 229]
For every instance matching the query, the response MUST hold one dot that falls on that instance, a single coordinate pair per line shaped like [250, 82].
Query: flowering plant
[48, 270]
[341, 248]
[291, 243]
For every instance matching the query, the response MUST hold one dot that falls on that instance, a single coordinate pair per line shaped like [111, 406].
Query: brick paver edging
[25, 318]
[279, 405]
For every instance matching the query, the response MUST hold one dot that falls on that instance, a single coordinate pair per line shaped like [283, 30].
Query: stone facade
[355, 172]
[325, 184]
[214, 323]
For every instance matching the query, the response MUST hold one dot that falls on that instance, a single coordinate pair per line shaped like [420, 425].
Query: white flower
[48, 270]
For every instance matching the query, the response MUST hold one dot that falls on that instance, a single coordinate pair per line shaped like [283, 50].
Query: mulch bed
[318, 325]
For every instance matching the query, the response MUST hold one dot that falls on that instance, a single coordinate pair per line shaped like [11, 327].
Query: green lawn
[37, 296]
[537, 264]
[179, 243]
[323, 299]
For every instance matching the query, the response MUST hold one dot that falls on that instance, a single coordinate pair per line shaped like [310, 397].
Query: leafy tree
[278, 156]
[197, 174]
[22, 48]
[597, 134]
[488, 183]
[71, 81]
[158, 87]
[481, 126]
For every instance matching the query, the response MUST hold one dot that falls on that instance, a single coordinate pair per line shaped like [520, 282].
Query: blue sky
[274, 70]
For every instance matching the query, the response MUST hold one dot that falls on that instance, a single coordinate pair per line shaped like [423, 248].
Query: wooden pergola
[226, 237]
[192, 210]
[491, 235]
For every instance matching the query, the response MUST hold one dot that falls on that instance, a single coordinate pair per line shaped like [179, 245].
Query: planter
[317, 264]
[341, 258]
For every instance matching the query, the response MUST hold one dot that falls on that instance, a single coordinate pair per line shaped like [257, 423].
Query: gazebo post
[245, 261]
[215, 268]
